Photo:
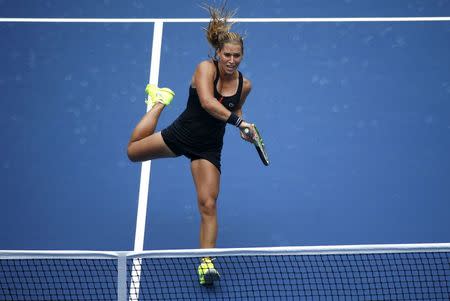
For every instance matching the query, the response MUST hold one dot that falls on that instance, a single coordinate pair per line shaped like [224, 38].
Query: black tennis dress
[195, 133]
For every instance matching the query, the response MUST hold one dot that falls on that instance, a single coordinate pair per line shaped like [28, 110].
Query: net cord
[270, 251]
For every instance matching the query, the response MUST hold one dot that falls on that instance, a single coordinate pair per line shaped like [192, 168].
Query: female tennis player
[216, 96]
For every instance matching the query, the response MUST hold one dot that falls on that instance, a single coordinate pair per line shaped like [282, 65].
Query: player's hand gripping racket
[259, 144]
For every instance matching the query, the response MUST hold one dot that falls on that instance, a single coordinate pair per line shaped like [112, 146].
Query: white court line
[204, 20]
[145, 173]
[146, 166]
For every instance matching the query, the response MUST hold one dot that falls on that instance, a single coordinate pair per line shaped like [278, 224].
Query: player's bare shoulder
[205, 70]
[206, 66]
[246, 86]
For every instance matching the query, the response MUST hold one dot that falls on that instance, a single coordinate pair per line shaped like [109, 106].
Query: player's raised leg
[144, 143]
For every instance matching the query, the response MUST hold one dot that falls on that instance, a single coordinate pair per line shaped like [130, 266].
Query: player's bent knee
[132, 154]
[149, 148]
[137, 154]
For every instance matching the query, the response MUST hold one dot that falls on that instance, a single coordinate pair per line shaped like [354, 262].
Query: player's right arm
[204, 82]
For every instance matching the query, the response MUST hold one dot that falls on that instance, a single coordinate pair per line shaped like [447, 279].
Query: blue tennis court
[355, 117]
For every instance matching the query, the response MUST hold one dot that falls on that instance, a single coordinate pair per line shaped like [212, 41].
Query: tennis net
[369, 272]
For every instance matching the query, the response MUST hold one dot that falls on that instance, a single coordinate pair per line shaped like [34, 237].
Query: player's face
[230, 57]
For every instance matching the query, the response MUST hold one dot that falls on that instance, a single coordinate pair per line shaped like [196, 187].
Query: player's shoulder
[206, 65]
[246, 84]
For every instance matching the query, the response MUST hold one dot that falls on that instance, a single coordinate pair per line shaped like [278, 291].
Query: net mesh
[58, 279]
[421, 275]
[403, 276]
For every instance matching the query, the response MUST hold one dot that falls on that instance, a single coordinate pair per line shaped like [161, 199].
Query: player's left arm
[246, 88]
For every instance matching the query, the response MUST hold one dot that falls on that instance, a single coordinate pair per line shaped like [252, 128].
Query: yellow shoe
[151, 92]
[161, 95]
[207, 273]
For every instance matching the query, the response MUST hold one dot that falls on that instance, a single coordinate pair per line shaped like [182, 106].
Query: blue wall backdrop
[356, 118]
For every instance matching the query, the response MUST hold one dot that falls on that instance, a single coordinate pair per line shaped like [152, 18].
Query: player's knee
[132, 153]
[207, 206]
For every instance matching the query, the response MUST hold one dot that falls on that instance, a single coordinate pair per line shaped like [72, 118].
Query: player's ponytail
[218, 30]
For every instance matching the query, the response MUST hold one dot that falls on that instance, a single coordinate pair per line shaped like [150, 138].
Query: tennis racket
[259, 145]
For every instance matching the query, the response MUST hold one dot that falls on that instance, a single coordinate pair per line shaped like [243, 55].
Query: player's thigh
[206, 179]
[149, 148]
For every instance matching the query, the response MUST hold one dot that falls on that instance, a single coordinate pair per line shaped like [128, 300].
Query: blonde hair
[218, 31]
